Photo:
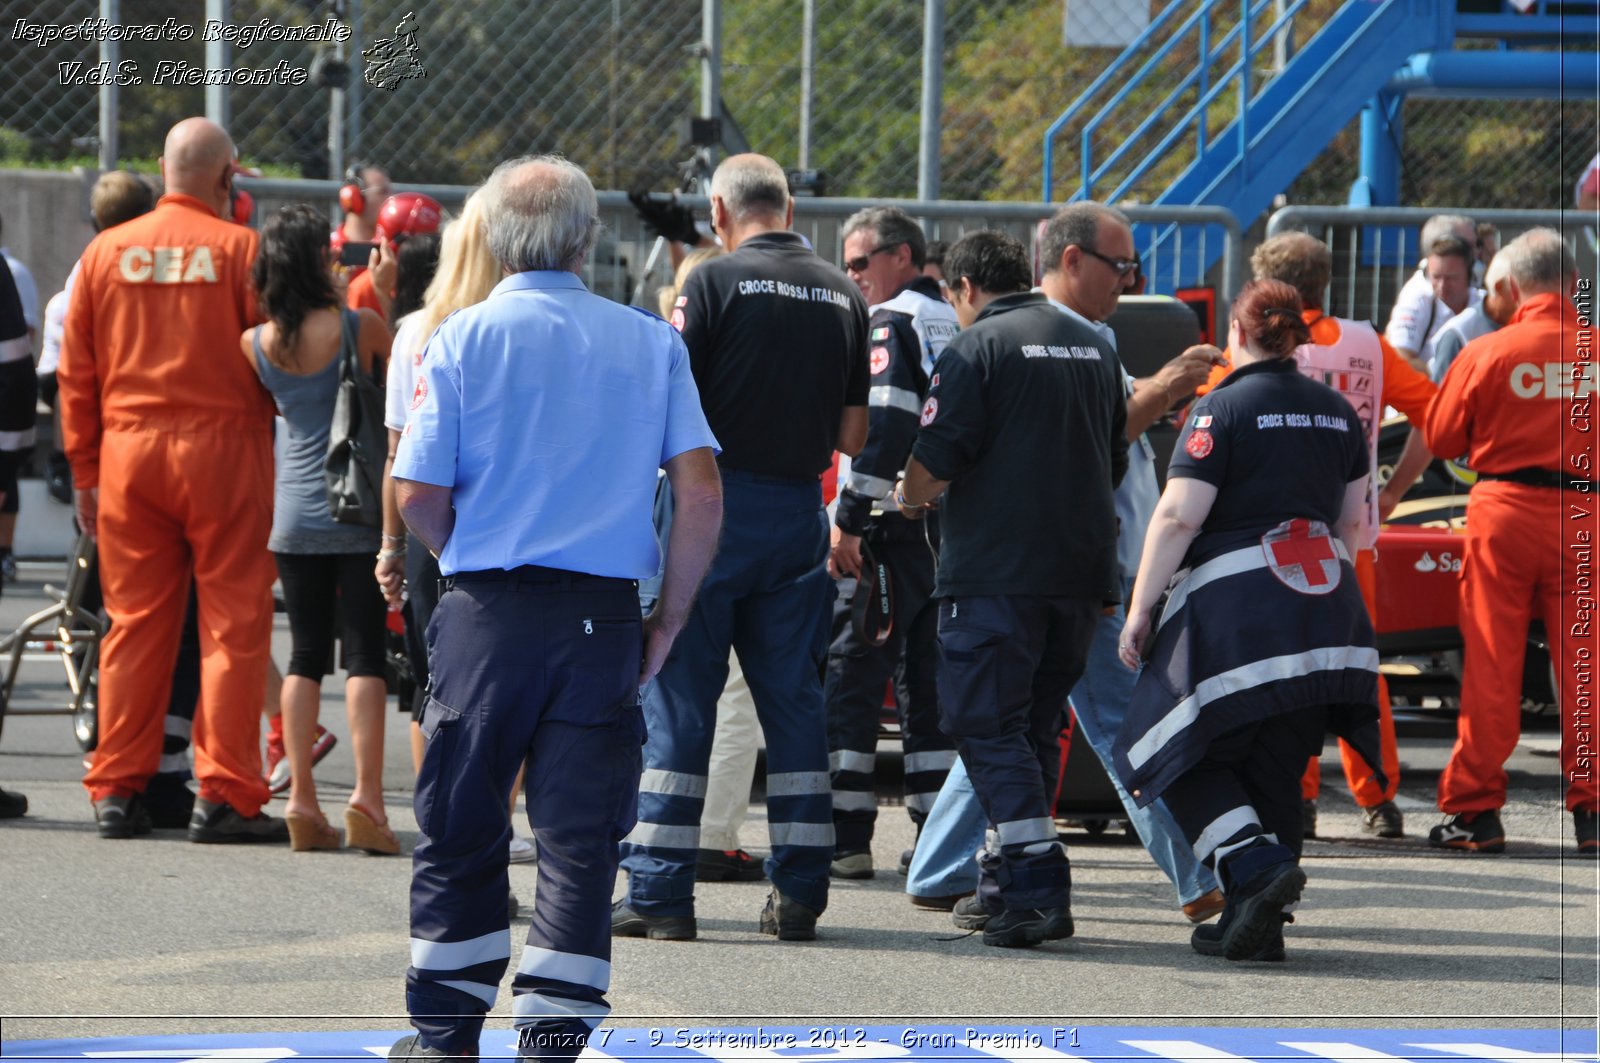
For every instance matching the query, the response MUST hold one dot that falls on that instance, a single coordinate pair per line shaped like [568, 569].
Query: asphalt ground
[158, 936]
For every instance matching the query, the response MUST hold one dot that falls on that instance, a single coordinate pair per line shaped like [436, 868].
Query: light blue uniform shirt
[547, 410]
[1137, 495]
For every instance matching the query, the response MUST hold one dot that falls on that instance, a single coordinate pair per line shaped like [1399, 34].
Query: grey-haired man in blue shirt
[528, 466]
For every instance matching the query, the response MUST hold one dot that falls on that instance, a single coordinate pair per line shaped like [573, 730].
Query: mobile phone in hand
[356, 253]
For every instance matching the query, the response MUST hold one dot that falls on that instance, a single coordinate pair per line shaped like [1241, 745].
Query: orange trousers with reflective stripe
[172, 503]
[1363, 787]
[1524, 558]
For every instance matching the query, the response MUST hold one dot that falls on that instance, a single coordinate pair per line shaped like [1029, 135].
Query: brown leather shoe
[936, 904]
[1206, 906]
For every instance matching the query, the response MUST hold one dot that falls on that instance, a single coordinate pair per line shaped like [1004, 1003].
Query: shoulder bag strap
[350, 364]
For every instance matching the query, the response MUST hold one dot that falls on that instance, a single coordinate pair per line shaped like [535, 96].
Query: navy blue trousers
[539, 666]
[766, 596]
[1239, 806]
[857, 676]
[1009, 662]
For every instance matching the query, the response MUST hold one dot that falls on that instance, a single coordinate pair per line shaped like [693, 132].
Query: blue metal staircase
[1248, 131]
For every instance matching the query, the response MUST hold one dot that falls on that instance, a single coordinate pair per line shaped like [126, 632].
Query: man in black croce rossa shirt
[1023, 435]
[777, 340]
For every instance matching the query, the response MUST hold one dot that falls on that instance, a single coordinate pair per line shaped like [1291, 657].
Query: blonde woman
[466, 274]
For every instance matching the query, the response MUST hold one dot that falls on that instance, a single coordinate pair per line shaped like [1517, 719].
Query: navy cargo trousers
[539, 665]
[766, 595]
[1008, 663]
[858, 674]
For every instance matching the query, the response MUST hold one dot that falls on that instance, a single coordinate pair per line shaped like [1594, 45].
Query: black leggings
[317, 590]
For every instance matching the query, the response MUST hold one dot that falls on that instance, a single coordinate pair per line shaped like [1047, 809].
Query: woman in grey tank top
[325, 567]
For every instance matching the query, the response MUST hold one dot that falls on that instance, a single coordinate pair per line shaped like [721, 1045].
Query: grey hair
[751, 184]
[1075, 224]
[1442, 225]
[892, 226]
[540, 212]
[1539, 261]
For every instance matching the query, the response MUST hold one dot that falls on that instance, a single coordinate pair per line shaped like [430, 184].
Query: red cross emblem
[420, 392]
[1300, 553]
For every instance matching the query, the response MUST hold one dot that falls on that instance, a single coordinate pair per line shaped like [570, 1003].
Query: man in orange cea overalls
[1358, 363]
[1520, 404]
[169, 434]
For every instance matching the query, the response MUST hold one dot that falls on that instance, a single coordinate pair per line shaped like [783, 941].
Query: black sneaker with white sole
[1473, 832]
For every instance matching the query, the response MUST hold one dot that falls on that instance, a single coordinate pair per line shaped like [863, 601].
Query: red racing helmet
[408, 214]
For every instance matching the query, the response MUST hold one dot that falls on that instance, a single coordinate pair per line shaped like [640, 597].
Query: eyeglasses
[1123, 266]
[859, 263]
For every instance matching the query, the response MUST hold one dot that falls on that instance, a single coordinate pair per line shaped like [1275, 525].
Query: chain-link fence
[1507, 154]
[611, 84]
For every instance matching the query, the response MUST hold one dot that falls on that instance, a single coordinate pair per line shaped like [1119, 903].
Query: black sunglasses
[859, 263]
[1123, 266]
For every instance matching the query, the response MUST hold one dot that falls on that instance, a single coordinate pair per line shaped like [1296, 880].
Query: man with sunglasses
[1089, 261]
[910, 325]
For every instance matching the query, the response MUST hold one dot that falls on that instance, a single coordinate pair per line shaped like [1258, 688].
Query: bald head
[197, 160]
[1539, 262]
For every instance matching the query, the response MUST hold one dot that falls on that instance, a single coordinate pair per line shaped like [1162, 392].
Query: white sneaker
[521, 851]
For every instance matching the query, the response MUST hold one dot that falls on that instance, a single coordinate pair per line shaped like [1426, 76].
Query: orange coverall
[163, 415]
[1411, 393]
[1522, 398]
[362, 295]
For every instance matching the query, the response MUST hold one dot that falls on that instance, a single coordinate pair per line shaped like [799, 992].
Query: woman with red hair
[1262, 641]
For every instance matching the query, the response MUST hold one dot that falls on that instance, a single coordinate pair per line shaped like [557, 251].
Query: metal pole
[336, 99]
[932, 98]
[1283, 40]
[711, 59]
[110, 51]
[352, 132]
[218, 106]
[808, 63]
[1244, 90]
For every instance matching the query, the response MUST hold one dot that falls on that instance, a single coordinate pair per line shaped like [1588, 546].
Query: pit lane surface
[1395, 946]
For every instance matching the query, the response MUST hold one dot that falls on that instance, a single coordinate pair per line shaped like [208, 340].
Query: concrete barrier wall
[46, 217]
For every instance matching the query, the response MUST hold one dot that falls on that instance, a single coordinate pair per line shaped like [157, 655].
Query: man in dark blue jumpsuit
[515, 470]
[1025, 425]
[778, 341]
[910, 325]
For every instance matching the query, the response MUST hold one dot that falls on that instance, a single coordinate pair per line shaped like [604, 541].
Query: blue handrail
[1100, 82]
[1129, 142]
[1344, 47]
[1086, 153]
[1199, 17]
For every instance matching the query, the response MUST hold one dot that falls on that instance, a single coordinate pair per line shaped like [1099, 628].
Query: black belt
[533, 575]
[1540, 478]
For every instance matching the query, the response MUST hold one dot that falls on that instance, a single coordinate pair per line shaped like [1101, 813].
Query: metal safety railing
[1193, 35]
[1375, 248]
[618, 270]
